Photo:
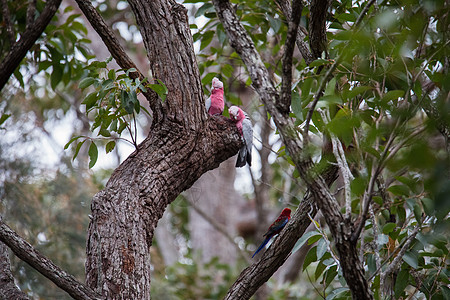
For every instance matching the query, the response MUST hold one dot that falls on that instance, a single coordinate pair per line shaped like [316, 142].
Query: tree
[374, 87]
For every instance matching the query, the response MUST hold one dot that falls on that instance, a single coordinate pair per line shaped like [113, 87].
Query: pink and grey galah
[215, 103]
[244, 125]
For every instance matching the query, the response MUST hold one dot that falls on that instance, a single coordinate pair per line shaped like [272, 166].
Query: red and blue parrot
[275, 228]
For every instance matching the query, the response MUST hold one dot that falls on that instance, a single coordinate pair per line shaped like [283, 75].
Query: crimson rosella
[275, 228]
[244, 126]
[215, 103]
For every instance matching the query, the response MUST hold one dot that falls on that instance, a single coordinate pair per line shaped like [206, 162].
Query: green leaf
[112, 74]
[206, 39]
[90, 100]
[310, 257]
[77, 149]
[56, 75]
[427, 203]
[303, 239]
[336, 292]
[319, 62]
[319, 270]
[110, 146]
[358, 186]
[207, 7]
[85, 82]
[400, 283]
[137, 106]
[274, 23]
[71, 141]
[314, 239]
[321, 248]
[399, 190]
[160, 89]
[4, 117]
[126, 102]
[227, 70]
[93, 154]
[392, 95]
[411, 259]
[104, 132]
[387, 228]
[358, 90]
[331, 87]
[331, 273]
[296, 105]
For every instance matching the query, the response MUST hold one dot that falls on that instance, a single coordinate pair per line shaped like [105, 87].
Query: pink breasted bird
[215, 103]
[245, 128]
[275, 228]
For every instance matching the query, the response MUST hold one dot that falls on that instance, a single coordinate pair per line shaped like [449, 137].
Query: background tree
[369, 80]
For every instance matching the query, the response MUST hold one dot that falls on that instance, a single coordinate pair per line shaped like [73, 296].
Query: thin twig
[7, 20]
[31, 11]
[397, 260]
[367, 199]
[317, 96]
[326, 240]
[375, 241]
[328, 76]
[294, 20]
[302, 46]
[347, 175]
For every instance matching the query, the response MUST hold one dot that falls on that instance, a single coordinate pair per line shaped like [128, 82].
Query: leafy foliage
[375, 105]
[114, 104]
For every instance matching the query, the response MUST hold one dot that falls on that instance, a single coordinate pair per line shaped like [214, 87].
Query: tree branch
[347, 175]
[7, 20]
[23, 250]
[118, 53]
[285, 6]
[274, 257]
[352, 268]
[317, 27]
[31, 12]
[285, 100]
[8, 288]
[394, 265]
[28, 38]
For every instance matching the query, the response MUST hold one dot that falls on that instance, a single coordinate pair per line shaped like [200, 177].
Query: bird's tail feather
[242, 156]
[262, 245]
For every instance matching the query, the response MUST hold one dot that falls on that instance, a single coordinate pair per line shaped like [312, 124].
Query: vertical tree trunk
[183, 144]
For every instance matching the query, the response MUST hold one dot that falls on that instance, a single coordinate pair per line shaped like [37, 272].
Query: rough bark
[27, 39]
[43, 265]
[317, 27]
[183, 144]
[302, 46]
[352, 268]
[126, 212]
[284, 103]
[8, 288]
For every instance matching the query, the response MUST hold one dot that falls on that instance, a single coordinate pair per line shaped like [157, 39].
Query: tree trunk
[183, 144]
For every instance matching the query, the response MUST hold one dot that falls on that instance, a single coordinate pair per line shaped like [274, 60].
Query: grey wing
[247, 132]
[208, 104]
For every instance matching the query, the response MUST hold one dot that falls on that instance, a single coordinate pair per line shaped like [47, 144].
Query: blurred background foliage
[391, 84]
